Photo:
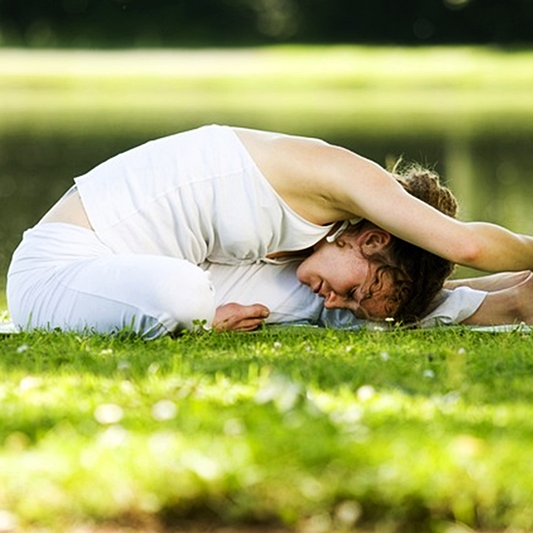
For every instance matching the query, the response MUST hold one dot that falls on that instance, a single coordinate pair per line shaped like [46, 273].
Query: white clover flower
[108, 413]
[164, 410]
[8, 521]
[29, 382]
[366, 392]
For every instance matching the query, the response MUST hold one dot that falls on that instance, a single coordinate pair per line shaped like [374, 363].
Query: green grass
[308, 429]
[450, 91]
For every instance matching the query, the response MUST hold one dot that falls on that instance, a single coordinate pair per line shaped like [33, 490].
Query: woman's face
[339, 273]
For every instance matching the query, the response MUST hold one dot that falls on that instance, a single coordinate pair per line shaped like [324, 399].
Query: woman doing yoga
[123, 247]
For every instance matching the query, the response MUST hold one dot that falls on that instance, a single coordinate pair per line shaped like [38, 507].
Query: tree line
[170, 23]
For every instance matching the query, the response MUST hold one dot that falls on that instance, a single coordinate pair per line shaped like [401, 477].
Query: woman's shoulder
[284, 157]
[270, 140]
[296, 167]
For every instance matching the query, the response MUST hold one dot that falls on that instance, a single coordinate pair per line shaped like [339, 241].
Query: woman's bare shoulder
[321, 181]
[258, 142]
[296, 167]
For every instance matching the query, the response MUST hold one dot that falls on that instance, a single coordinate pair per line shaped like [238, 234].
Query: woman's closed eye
[352, 294]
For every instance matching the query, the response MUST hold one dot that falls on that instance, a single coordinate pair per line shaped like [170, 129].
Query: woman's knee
[183, 297]
[109, 293]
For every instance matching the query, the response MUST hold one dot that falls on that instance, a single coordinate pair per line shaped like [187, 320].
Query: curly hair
[416, 274]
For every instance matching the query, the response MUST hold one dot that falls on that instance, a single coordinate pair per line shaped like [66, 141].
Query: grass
[451, 91]
[296, 428]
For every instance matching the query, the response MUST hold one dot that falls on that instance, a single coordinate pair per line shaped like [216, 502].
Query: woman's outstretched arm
[326, 183]
[364, 188]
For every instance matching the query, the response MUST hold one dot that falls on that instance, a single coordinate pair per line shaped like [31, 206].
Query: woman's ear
[373, 240]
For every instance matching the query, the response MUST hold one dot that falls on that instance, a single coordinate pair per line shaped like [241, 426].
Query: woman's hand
[237, 317]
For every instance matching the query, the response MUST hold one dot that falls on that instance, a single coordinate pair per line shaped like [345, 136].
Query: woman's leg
[490, 282]
[149, 295]
[74, 283]
[511, 305]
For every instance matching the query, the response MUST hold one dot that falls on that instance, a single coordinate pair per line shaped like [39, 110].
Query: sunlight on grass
[409, 429]
[350, 88]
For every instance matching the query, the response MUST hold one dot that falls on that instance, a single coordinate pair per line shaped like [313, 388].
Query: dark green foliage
[156, 23]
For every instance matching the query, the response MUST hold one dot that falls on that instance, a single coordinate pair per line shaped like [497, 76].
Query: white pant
[63, 276]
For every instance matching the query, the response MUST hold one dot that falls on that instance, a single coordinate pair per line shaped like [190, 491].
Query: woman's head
[375, 274]
[341, 272]
[416, 274]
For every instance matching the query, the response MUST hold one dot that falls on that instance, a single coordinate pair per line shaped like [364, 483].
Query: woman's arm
[325, 183]
[361, 187]
[331, 183]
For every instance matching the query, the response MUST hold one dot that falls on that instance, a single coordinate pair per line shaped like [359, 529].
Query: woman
[123, 248]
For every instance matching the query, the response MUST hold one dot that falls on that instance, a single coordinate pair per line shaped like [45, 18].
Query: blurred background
[447, 83]
[213, 23]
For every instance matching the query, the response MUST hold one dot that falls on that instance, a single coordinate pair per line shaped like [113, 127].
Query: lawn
[287, 428]
[303, 89]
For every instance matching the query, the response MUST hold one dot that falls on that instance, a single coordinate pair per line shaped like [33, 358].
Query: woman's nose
[332, 301]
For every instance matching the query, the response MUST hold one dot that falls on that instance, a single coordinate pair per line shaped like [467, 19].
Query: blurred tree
[133, 23]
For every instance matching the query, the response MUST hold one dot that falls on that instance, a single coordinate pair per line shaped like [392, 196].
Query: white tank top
[196, 195]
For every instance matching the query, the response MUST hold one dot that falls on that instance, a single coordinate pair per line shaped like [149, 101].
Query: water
[491, 173]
